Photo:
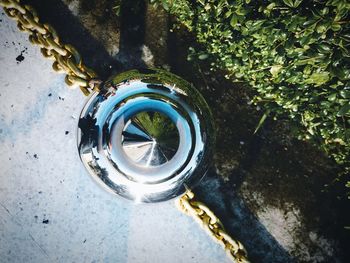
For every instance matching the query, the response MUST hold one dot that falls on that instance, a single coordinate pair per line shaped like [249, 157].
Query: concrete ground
[268, 188]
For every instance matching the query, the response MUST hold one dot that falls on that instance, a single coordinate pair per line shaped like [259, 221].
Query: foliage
[294, 53]
[117, 7]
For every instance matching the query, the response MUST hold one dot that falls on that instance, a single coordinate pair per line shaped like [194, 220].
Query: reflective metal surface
[146, 135]
[150, 139]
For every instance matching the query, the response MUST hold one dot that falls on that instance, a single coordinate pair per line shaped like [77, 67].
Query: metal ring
[147, 135]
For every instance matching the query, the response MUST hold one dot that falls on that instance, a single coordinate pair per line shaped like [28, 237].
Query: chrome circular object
[147, 135]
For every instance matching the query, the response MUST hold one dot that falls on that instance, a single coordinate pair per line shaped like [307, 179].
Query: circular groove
[145, 136]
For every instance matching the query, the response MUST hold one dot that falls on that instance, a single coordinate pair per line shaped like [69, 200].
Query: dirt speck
[20, 57]
[46, 221]
[36, 156]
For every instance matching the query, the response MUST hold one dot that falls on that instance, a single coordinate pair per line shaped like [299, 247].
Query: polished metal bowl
[147, 135]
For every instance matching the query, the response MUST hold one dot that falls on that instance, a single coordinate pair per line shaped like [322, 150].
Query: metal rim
[129, 154]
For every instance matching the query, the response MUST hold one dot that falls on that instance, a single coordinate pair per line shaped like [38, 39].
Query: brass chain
[68, 60]
[205, 217]
[66, 57]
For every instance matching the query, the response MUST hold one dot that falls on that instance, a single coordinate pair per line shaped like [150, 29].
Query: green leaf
[323, 48]
[344, 110]
[318, 78]
[228, 14]
[165, 5]
[289, 3]
[339, 72]
[234, 20]
[305, 40]
[332, 97]
[241, 12]
[271, 6]
[321, 29]
[203, 56]
[297, 3]
[274, 70]
[202, 2]
[261, 122]
[335, 26]
[325, 11]
[345, 94]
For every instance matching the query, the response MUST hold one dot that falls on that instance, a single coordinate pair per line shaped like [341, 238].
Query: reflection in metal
[150, 139]
[146, 135]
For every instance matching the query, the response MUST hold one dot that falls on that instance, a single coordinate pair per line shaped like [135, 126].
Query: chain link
[66, 58]
[205, 217]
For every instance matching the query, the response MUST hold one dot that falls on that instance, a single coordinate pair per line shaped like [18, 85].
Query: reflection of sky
[116, 110]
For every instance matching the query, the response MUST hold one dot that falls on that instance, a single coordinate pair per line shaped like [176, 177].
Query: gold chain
[68, 60]
[205, 217]
[66, 57]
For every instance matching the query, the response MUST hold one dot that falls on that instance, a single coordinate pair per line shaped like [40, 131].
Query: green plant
[117, 6]
[294, 53]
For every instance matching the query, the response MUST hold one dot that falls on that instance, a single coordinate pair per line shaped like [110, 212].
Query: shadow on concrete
[132, 34]
[240, 222]
[72, 31]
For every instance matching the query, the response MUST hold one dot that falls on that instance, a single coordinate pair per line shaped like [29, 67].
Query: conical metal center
[150, 139]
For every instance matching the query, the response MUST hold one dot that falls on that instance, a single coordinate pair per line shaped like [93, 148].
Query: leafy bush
[294, 53]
